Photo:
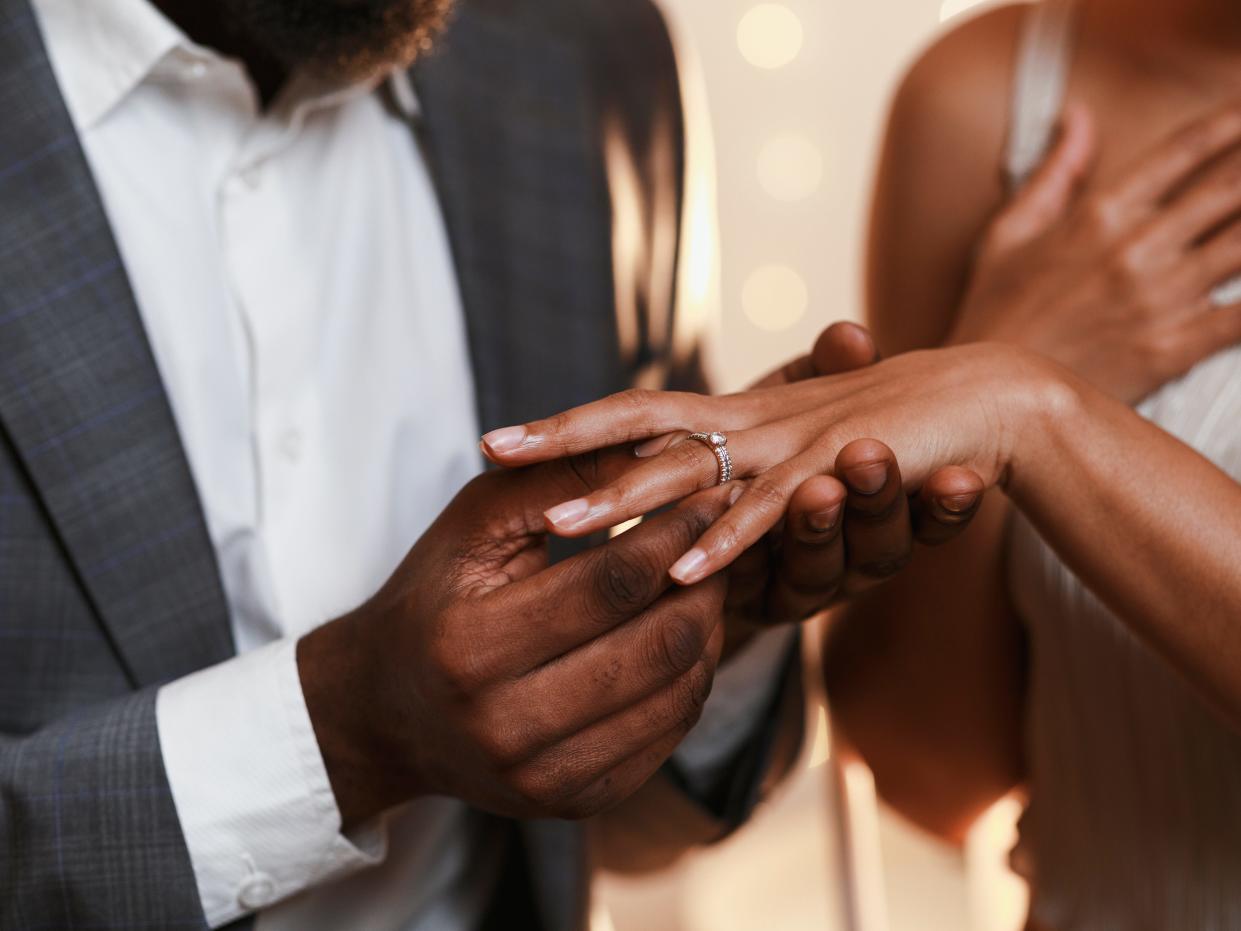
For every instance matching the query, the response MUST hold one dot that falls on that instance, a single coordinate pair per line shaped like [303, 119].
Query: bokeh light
[774, 298]
[770, 35]
[790, 167]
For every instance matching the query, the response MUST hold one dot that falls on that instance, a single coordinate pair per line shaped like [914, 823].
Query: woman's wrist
[1047, 406]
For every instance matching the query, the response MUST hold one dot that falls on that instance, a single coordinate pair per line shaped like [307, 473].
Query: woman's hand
[836, 542]
[1120, 286]
[961, 407]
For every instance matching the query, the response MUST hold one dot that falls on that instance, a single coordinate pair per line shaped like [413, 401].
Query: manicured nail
[737, 492]
[823, 521]
[688, 566]
[505, 440]
[568, 515]
[868, 478]
[958, 504]
[649, 448]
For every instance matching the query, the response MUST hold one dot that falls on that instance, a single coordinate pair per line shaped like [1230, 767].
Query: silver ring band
[718, 443]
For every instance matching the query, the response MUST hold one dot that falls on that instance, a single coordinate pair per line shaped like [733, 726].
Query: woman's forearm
[1151, 526]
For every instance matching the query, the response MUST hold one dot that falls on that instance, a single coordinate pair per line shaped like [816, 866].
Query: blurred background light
[770, 35]
[790, 167]
[823, 854]
[953, 8]
[775, 298]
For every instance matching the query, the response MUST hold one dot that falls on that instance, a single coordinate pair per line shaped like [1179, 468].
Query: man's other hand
[480, 673]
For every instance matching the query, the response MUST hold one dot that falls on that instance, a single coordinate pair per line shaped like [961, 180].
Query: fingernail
[568, 515]
[688, 566]
[651, 448]
[737, 492]
[505, 440]
[869, 478]
[958, 504]
[823, 521]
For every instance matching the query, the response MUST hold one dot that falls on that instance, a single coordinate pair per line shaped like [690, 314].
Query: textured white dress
[1135, 814]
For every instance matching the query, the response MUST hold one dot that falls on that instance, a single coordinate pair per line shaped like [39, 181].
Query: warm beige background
[797, 866]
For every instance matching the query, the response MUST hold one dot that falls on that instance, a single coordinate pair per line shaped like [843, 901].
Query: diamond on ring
[718, 443]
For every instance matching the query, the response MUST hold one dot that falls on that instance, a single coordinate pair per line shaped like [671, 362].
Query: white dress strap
[1044, 60]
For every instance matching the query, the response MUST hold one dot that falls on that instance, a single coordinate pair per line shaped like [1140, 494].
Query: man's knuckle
[680, 641]
[458, 667]
[691, 695]
[540, 786]
[872, 512]
[886, 565]
[624, 580]
[591, 801]
[502, 745]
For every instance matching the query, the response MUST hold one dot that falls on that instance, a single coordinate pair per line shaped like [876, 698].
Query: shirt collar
[102, 49]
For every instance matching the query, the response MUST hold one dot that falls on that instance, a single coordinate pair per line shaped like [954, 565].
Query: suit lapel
[505, 107]
[80, 395]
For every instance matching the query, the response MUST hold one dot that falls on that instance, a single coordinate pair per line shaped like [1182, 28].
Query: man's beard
[341, 39]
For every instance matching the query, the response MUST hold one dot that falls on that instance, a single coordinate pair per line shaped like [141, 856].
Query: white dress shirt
[295, 280]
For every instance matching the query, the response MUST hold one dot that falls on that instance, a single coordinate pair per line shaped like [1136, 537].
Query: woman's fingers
[946, 505]
[622, 418]
[812, 557]
[1211, 200]
[1052, 189]
[684, 467]
[1159, 175]
[1218, 260]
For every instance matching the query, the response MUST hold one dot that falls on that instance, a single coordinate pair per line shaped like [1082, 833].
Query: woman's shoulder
[965, 76]
[941, 177]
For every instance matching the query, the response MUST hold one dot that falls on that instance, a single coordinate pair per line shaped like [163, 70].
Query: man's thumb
[1047, 196]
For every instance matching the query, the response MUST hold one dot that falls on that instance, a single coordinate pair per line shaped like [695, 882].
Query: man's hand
[478, 672]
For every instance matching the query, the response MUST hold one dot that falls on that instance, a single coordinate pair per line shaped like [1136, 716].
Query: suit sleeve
[89, 835]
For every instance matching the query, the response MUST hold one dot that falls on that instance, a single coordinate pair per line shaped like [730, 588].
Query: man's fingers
[617, 670]
[1158, 175]
[877, 529]
[586, 596]
[843, 347]
[812, 557]
[574, 772]
[1047, 196]
[946, 505]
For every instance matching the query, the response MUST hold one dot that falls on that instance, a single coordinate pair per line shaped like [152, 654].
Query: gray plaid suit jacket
[108, 581]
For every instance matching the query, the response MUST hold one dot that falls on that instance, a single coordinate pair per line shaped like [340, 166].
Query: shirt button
[291, 445]
[258, 891]
[195, 72]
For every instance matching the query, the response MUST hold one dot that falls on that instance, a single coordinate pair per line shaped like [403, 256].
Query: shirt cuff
[743, 692]
[250, 786]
